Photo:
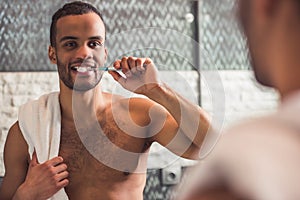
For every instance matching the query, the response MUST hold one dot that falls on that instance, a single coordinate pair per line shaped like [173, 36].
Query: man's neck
[81, 106]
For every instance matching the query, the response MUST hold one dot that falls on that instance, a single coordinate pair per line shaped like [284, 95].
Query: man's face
[80, 43]
[256, 39]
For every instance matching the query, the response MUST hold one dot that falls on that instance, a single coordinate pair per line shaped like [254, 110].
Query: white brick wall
[242, 98]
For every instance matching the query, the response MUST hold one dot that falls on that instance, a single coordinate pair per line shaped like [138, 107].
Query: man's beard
[77, 85]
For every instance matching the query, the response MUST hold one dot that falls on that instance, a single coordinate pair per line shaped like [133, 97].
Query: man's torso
[104, 161]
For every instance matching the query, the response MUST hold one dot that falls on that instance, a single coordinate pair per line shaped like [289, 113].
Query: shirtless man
[88, 167]
[259, 158]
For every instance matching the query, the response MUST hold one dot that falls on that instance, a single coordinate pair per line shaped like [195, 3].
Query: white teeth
[82, 69]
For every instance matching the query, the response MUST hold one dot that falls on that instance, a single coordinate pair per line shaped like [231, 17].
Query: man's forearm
[194, 122]
[21, 194]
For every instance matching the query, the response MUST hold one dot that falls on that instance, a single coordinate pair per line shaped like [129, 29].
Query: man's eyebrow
[96, 38]
[76, 38]
[68, 38]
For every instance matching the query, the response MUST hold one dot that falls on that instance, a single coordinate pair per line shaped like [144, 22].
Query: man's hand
[44, 180]
[140, 74]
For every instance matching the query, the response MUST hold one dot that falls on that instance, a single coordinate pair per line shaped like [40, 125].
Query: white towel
[40, 123]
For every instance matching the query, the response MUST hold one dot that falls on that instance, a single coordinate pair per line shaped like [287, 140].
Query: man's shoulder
[132, 102]
[264, 132]
[254, 126]
[262, 151]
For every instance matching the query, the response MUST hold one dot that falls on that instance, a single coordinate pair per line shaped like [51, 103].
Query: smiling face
[79, 43]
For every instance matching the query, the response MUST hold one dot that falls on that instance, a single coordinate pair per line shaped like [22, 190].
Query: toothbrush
[108, 69]
[86, 69]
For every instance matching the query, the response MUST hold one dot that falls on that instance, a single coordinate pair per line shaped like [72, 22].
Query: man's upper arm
[15, 161]
[171, 136]
[162, 127]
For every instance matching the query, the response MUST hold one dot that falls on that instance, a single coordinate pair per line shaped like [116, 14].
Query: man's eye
[70, 44]
[95, 44]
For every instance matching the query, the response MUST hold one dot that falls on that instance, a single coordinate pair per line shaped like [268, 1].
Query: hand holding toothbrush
[141, 75]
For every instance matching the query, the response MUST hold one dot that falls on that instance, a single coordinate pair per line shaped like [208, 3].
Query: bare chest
[101, 153]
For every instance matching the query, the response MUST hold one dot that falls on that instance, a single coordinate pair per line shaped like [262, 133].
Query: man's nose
[84, 52]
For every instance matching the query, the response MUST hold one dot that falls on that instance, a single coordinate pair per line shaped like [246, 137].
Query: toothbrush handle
[112, 69]
[108, 69]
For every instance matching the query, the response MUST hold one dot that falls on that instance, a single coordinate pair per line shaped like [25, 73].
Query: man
[83, 143]
[260, 159]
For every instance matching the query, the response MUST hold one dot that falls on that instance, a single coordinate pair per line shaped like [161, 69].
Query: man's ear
[52, 54]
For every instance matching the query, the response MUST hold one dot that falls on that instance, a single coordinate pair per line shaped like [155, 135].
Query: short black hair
[73, 8]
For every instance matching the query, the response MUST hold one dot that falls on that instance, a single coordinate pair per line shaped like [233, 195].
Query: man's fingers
[117, 64]
[55, 161]
[34, 160]
[131, 62]
[125, 67]
[60, 168]
[132, 65]
[116, 76]
[61, 176]
[63, 183]
[147, 62]
[140, 64]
